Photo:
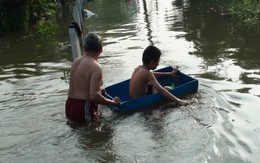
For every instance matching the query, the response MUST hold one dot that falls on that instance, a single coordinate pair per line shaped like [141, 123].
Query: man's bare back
[82, 70]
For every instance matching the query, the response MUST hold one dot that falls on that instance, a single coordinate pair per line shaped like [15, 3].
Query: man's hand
[117, 100]
[102, 91]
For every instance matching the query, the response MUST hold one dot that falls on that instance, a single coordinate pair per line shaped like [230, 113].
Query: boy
[144, 82]
[86, 78]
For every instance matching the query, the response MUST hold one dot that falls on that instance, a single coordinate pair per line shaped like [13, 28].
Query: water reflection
[219, 40]
[96, 140]
[148, 24]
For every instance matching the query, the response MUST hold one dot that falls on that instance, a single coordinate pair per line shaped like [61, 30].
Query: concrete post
[74, 41]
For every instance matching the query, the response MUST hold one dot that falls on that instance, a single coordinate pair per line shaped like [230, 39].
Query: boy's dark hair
[151, 53]
[92, 42]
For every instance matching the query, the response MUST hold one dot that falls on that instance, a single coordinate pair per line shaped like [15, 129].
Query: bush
[18, 14]
[248, 11]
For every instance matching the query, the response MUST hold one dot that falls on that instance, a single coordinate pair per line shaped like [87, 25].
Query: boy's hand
[174, 71]
[182, 102]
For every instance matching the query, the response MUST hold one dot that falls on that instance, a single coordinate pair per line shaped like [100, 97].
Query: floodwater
[221, 125]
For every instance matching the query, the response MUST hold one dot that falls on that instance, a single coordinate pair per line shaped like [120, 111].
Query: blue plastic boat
[183, 83]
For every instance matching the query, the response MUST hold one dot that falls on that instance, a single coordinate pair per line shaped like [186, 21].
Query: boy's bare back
[142, 76]
[139, 82]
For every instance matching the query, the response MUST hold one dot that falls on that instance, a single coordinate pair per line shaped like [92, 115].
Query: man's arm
[95, 90]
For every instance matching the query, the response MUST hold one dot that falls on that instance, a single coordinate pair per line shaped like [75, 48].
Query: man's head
[151, 55]
[92, 42]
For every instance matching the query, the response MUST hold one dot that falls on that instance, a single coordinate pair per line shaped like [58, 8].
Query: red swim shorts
[81, 111]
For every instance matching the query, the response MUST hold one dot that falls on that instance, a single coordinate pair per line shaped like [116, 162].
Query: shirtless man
[86, 78]
[144, 82]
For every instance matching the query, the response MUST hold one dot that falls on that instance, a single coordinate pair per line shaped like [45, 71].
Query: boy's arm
[172, 73]
[163, 91]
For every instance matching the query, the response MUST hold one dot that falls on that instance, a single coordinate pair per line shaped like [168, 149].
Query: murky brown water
[221, 126]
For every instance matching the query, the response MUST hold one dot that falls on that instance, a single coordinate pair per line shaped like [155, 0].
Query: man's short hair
[92, 42]
[151, 53]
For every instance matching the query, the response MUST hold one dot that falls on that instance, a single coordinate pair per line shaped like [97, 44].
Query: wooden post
[74, 41]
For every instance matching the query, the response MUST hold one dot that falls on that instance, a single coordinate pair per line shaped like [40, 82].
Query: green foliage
[43, 17]
[36, 14]
[45, 28]
[248, 11]
[66, 75]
